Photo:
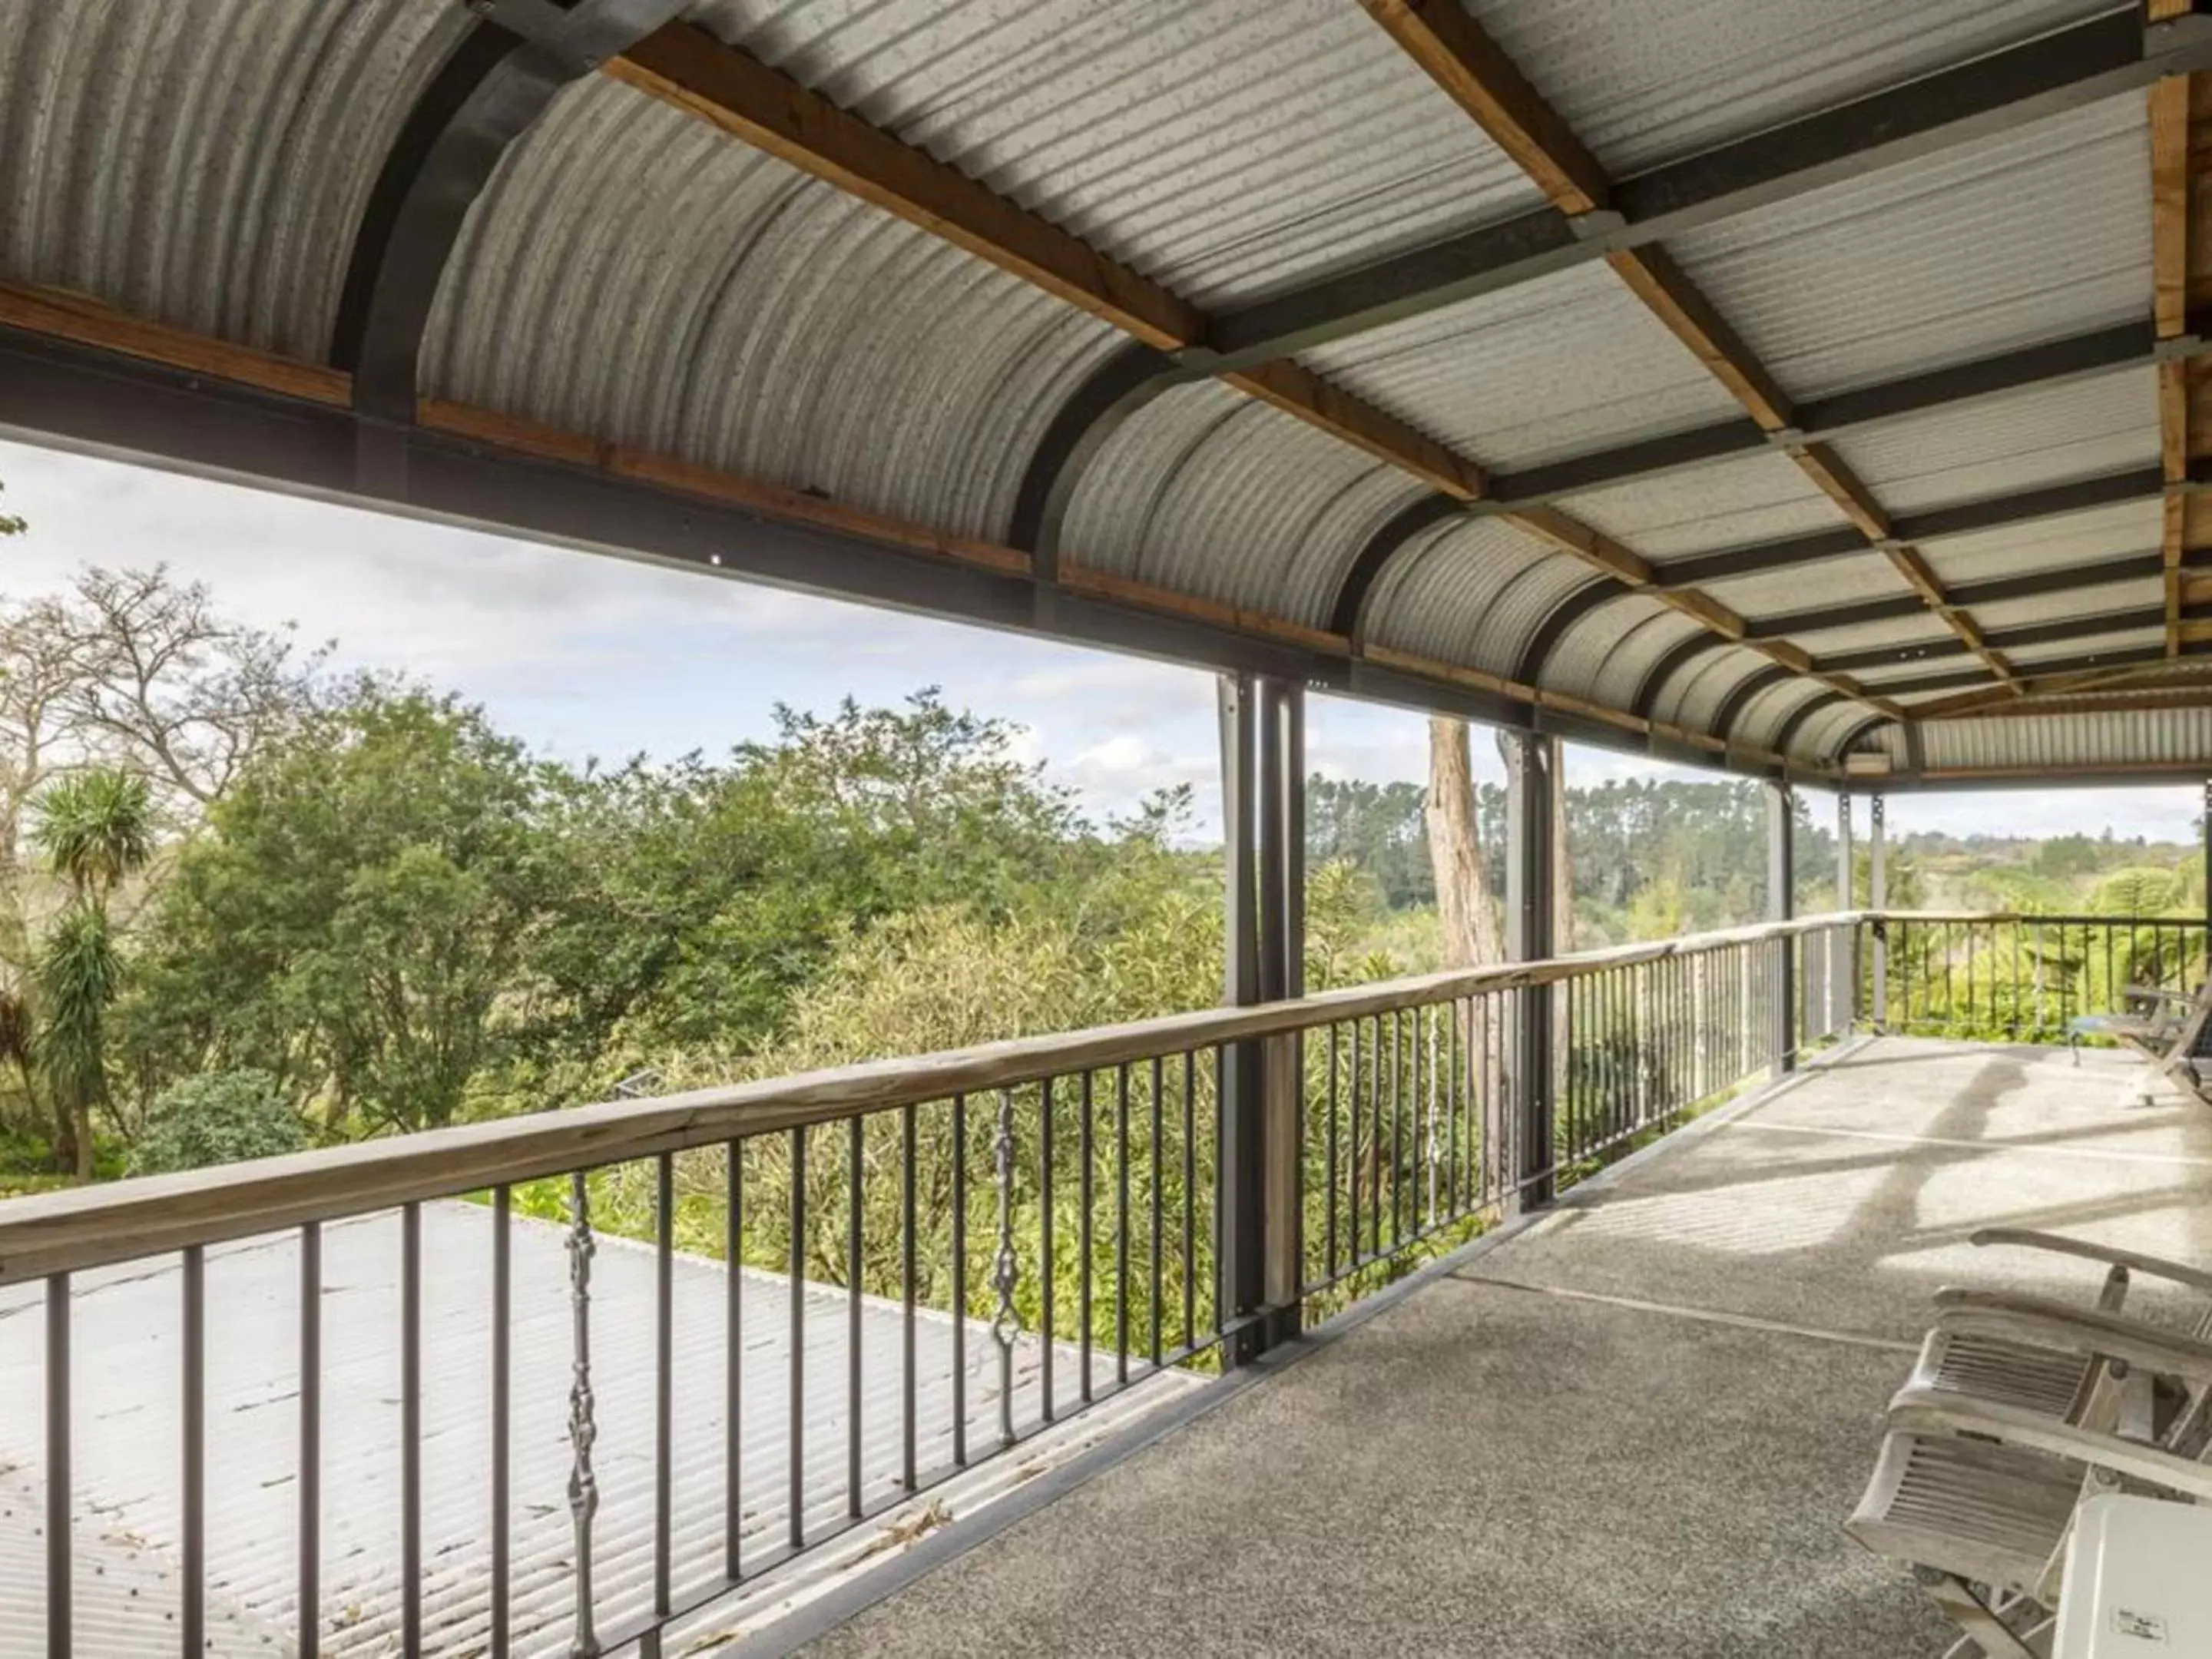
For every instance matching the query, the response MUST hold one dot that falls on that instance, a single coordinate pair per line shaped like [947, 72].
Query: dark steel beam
[1851, 740]
[1115, 392]
[498, 80]
[2001, 512]
[1895, 608]
[1997, 92]
[1677, 658]
[1803, 712]
[1751, 685]
[1603, 590]
[1348, 613]
[1967, 678]
[77, 398]
[1997, 639]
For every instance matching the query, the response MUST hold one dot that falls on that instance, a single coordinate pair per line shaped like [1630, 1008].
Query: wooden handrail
[99, 1226]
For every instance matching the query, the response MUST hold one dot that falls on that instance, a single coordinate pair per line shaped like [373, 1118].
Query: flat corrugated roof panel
[1223, 147]
[1757, 498]
[1640, 84]
[1533, 374]
[2147, 737]
[1793, 588]
[2071, 538]
[2002, 446]
[2020, 238]
[2131, 593]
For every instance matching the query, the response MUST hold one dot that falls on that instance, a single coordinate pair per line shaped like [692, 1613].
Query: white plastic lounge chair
[1978, 1493]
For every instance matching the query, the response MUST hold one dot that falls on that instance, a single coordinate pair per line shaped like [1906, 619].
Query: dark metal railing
[2018, 978]
[618, 1361]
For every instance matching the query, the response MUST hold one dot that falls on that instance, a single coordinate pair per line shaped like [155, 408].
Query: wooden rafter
[1455, 53]
[2195, 695]
[684, 66]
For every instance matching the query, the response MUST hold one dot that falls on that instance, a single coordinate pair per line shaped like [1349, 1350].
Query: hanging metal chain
[583, 1428]
[1005, 1273]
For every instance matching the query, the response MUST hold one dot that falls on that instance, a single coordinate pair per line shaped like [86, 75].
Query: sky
[581, 655]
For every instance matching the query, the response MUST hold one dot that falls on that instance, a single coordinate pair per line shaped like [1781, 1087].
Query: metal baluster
[1158, 1081]
[1455, 1093]
[1006, 1271]
[502, 1432]
[1122, 1225]
[583, 1428]
[1086, 1197]
[1045, 1257]
[908, 1384]
[1189, 1198]
[193, 1318]
[1427, 1017]
[1329, 1228]
[411, 1428]
[854, 1137]
[1397, 1128]
[311, 1440]
[795, 1458]
[664, 1382]
[60, 1643]
[960, 1281]
[1351, 1167]
[1375, 1139]
[733, 1360]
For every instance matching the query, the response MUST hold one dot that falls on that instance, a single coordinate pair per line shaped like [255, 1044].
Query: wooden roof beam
[689, 69]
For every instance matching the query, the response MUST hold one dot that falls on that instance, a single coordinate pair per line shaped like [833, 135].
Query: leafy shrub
[218, 1117]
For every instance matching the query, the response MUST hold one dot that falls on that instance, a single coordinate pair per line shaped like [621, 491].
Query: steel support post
[1781, 905]
[2205, 830]
[1281, 814]
[1239, 1217]
[1532, 762]
[1878, 901]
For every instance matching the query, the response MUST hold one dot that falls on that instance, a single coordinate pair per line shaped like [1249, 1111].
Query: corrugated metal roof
[1620, 675]
[1820, 737]
[1754, 498]
[1806, 586]
[2048, 544]
[1212, 493]
[1903, 632]
[1223, 147]
[2004, 445]
[2078, 602]
[1472, 593]
[1762, 718]
[204, 162]
[2148, 737]
[2018, 239]
[1533, 374]
[124, 1336]
[687, 294]
[1697, 699]
[1644, 83]
[1619, 638]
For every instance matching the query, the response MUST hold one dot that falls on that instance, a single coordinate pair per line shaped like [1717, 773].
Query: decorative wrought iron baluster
[583, 1428]
[1005, 1272]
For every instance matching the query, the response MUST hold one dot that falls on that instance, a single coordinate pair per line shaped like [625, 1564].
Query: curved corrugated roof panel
[1697, 701]
[1532, 374]
[1472, 594]
[1822, 734]
[2072, 538]
[633, 274]
[1762, 719]
[1621, 675]
[1755, 498]
[2148, 737]
[1613, 644]
[2079, 430]
[1212, 493]
[1640, 84]
[205, 162]
[2019, 238]
[1221, 147]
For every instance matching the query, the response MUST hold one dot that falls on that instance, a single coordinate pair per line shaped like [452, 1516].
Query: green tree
[216, 1118]
[351, 920]
[95, 830]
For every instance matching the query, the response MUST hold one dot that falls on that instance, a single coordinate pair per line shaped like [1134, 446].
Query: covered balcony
[1807, 392]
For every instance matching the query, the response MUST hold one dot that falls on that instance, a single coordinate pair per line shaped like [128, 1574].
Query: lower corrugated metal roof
[127, 1482]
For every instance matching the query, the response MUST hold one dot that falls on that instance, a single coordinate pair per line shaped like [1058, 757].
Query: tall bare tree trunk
[1470, 924]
